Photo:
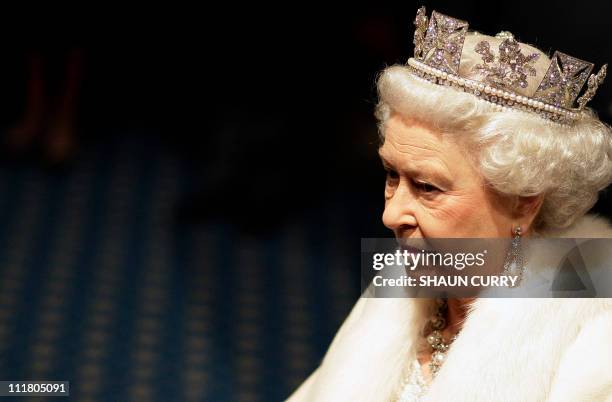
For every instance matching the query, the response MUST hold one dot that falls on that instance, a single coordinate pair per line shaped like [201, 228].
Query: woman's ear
[526, 209]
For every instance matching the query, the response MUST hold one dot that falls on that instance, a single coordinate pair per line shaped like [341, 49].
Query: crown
[438, 44]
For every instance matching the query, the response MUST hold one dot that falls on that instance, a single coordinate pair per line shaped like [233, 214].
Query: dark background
[251, 126]
[265, 87]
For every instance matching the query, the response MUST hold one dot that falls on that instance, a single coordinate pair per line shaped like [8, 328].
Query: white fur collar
[508, 350]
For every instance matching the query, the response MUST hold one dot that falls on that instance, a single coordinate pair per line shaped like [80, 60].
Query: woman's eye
[426, 187]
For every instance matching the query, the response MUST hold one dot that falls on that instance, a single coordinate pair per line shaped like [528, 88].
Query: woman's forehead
[416, 141]
[410, 146]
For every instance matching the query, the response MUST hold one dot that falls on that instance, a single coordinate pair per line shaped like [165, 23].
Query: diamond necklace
[435, 340]
[414, 386]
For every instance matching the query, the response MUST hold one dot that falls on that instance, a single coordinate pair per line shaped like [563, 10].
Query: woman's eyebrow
[404, 169]
[384, 160]
[429, 174]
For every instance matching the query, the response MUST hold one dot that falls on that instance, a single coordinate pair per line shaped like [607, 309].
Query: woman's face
[433, 191]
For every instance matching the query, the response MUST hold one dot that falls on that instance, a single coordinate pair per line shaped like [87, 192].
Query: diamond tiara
[438, 44]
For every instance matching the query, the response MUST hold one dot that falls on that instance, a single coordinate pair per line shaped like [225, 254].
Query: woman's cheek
[453, 206]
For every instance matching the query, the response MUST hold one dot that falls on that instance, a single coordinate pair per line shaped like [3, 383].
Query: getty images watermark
[485, 268]
[412, 260]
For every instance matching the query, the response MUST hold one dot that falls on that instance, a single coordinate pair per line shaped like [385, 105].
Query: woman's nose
[399, 209]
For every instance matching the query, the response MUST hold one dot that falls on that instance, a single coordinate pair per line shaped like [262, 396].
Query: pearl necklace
[414, 387]
[436, 341]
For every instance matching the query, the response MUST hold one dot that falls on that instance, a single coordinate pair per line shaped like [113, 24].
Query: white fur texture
[509, 350]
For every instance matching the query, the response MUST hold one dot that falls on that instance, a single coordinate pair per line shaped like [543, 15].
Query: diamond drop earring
[514, 264]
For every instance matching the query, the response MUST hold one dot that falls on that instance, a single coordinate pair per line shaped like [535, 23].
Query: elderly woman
[481, 137]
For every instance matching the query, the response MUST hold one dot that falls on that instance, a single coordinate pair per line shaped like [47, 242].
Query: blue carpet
[100, 287]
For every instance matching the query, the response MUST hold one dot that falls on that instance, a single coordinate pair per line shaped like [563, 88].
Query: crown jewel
[437, 56]
[443, 42]
[510, 69]
[563, 81]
